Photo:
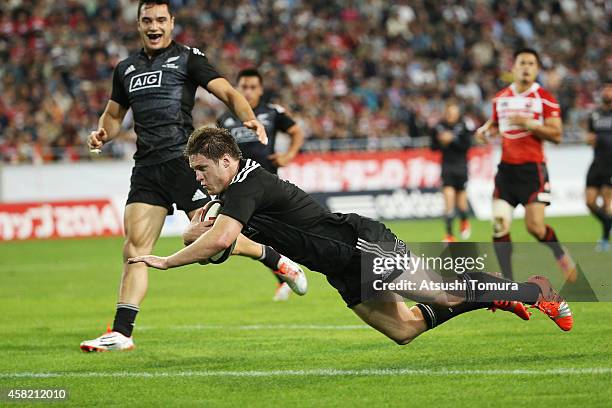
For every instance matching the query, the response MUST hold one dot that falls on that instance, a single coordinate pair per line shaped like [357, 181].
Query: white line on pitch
[329, 372]
[197, 327]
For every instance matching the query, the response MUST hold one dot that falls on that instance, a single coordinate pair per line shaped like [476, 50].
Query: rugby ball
[209, 213]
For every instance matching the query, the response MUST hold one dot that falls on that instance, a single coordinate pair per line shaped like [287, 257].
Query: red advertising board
[387, 170]
[65, 219]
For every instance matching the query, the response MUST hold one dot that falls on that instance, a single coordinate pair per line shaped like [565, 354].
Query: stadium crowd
[345, 69]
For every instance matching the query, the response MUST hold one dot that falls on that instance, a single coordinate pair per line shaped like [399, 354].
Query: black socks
[448, 221]
[435, 315]
[479, 297]
[124, 318]
[550, 239]
[269, 257]
[503, 250]
[605, 220]
[505, 289]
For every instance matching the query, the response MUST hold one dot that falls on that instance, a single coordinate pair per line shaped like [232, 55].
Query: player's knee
[403, 342]
[401, 339]
[402, 334]
[535, 228]
[502, 218]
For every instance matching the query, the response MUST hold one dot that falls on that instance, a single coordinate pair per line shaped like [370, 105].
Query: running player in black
[453, 138]
[274, 119]
[159, 84]
[343, 247]
[599, 177]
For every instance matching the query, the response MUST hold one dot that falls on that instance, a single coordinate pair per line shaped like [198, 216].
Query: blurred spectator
[356, 70]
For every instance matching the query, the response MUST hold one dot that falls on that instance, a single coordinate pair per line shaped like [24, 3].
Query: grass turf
[211, 336]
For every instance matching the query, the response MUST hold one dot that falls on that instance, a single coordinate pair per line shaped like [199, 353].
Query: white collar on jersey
[533, 88]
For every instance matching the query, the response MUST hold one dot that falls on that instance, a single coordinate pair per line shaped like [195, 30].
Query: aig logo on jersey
[146, 80]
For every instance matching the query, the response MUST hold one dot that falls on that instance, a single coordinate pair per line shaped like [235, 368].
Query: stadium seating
[365, 70]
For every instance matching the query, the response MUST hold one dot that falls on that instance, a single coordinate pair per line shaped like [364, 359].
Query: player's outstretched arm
[236, 102]
[223, 234]
[109, 125]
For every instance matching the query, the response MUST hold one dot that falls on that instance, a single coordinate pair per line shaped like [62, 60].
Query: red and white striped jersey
[520, 145]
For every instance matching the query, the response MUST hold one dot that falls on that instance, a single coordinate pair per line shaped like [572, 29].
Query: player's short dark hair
[212, 143]
[527, 50]
[250, 72]
[155, 2]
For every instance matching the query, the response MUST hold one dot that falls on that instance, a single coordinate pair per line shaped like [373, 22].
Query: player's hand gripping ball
[209, 213]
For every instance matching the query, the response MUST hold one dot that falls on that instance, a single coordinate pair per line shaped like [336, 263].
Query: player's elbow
[402, 340]
[223, 241]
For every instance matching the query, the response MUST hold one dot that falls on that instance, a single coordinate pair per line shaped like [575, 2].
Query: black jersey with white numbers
[273, 118]
[161, 92]
[600, 123]
[277, 213]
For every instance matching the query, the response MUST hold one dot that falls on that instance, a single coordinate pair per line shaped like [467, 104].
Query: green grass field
[211, 336]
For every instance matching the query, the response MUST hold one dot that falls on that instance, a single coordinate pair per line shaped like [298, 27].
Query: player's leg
[393, 319]
[537, 291]
[591, 195]
[534, 220]
[607, 204]
[537, 227]
[448, 192]
[598, 182]
[403, 324]
[142, 225]
[502, 220]
[504, 202]
[461, 204]
[598, 186]
[606, 193]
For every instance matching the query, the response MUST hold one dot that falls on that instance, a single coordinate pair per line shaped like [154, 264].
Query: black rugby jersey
[600, 123]
[455, 153]
[161, 92]
[273, 118]
[277, 213]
